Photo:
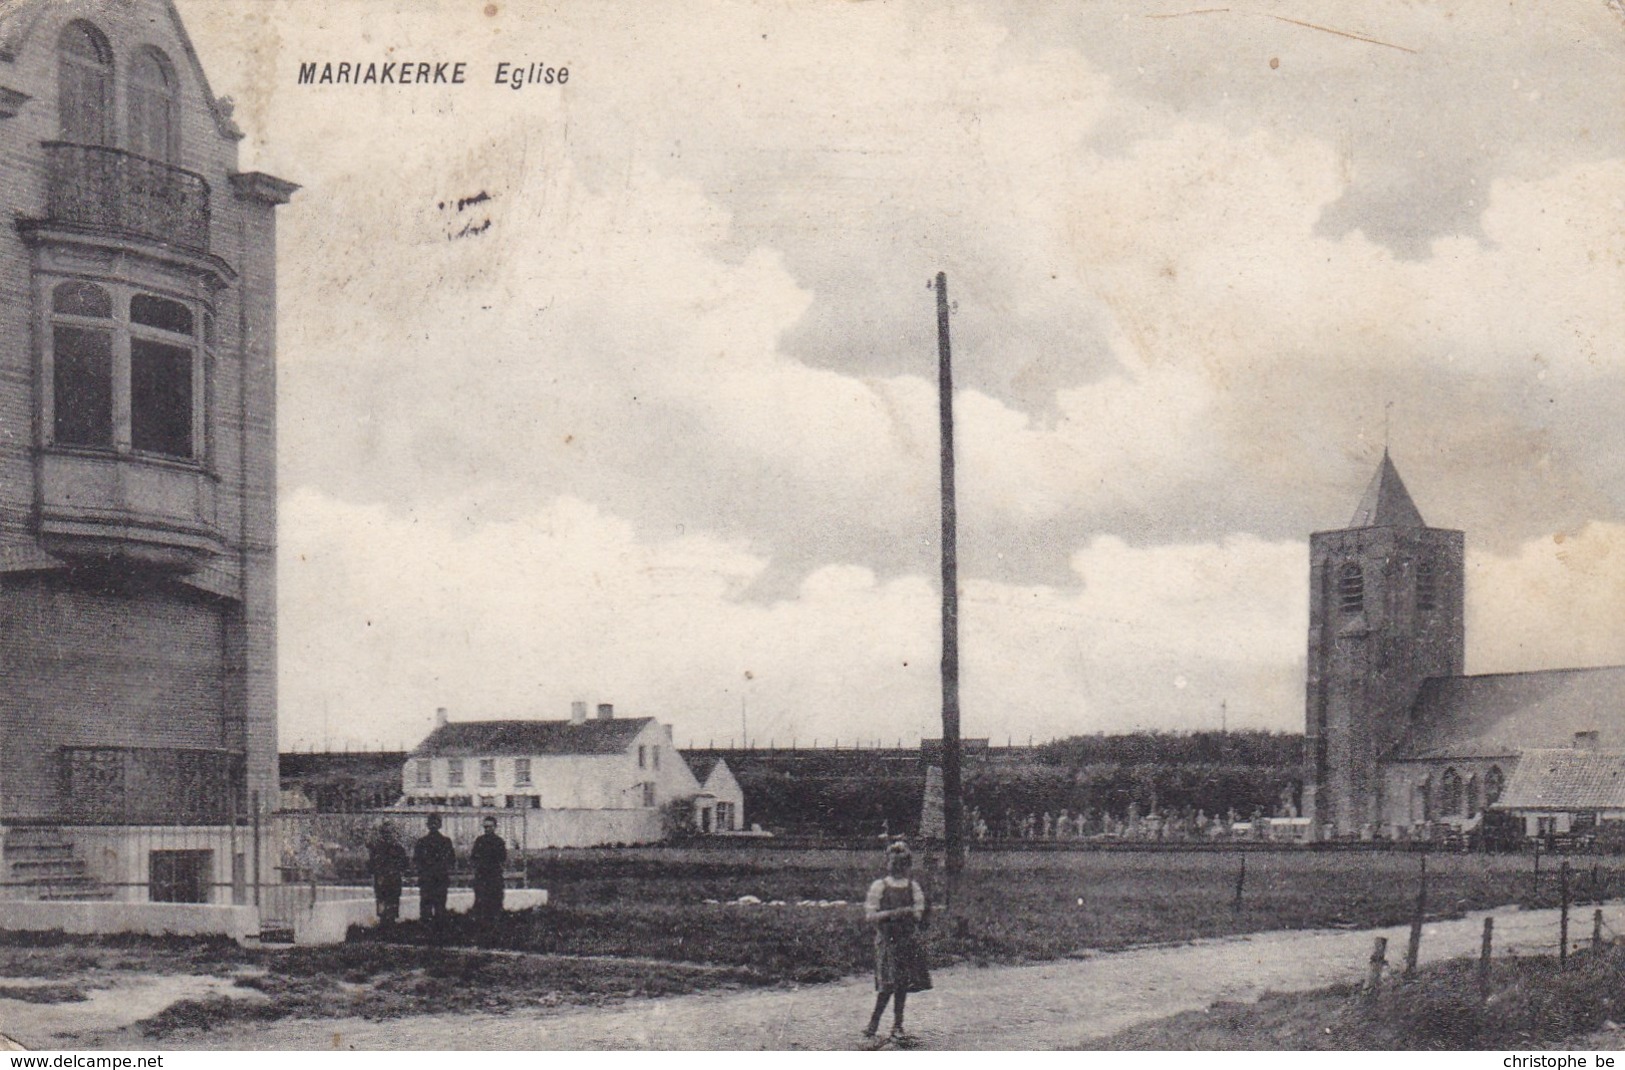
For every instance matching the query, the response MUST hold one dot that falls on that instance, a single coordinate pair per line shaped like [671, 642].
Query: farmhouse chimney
[606, 711]
[578, 713]
[440, 717]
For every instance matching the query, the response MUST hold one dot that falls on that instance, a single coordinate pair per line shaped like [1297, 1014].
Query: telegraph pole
[952, 804]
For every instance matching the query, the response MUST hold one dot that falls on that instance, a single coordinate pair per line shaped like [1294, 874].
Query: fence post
[1415, 948]
[1241, 882]
[1596, 929]
[1379, 959]
[254, 801]
[1484, 960]
[1563, 917]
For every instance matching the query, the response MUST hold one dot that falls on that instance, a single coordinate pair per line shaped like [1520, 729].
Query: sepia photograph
[812, 525]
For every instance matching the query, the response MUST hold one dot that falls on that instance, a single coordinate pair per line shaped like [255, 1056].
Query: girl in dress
[896, 907]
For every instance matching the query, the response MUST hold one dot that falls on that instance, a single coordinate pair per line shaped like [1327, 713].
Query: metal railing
[112, 190]
[280, 861]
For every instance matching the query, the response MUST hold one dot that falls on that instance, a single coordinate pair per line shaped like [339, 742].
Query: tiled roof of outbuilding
[1569, 779]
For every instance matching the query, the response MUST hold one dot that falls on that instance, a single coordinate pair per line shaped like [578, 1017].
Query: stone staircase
[40, 863]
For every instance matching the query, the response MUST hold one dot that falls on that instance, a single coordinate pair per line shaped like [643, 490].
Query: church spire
[1386, 503]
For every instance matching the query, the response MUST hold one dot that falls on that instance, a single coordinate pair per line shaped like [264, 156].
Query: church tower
[1385, 613]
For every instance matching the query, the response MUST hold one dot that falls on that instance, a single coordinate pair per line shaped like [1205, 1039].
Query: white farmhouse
[578, 783]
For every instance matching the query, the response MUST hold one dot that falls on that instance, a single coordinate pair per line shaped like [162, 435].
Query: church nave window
[1494, 782]
[1450, 794]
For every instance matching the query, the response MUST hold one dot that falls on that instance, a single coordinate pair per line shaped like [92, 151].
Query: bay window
[126, 371]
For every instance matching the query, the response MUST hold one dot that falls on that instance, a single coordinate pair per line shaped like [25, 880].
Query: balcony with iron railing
[150, 785]
[112, 191]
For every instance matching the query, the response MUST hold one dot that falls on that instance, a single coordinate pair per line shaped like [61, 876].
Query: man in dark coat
[490, 856]
[433, 857]
[386, 861]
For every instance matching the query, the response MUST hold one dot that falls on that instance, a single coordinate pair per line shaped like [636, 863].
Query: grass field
[1532, 1002]
[1016, 906]
[643, 922]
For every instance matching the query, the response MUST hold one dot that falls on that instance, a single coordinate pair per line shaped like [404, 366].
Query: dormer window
[1351, 588]
[150, 96]
[85, 85]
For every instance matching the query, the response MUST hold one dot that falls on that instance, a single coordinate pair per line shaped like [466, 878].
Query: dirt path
[1070, 1003]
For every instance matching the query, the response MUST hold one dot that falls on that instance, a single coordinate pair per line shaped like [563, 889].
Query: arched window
[1450, 794]
[1472, 795]
[1427, 587]
[1424, 799]
[1350, 588]
[1494, 782]
[153, 130]
[85, 85]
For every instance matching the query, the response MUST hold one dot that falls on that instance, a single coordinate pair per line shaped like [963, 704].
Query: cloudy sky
[663, 433]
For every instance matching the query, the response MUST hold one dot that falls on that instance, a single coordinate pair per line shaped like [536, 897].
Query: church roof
[1386, 503]
[1509, 713]
[1568, 779]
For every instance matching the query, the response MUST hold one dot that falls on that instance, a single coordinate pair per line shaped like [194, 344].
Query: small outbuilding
[720, 806]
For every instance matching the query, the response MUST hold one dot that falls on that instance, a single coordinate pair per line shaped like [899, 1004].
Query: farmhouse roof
[1568, 779]
[1509, 713]
[1386, 503]
[701, 765]
[464, 739]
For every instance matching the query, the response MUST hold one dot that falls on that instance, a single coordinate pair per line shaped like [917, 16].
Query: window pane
[83, 379]
[85, 85]
[160, 398]
[157, 312]
[82, 299]
[151, 106]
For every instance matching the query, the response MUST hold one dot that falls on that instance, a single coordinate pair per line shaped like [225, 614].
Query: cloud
[1554, 602]
[520, 617]
[670, 418]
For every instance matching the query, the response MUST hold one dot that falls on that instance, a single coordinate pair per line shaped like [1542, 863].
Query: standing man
[386, 861]
[433, 857]
[490, 856]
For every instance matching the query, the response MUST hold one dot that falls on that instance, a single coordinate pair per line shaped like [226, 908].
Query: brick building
[1397, 740]
[137, 449]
